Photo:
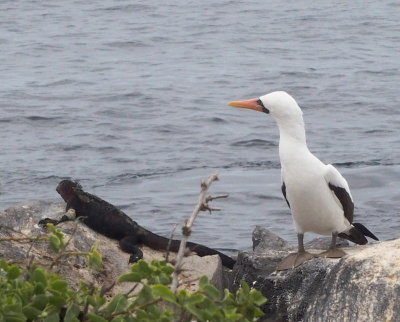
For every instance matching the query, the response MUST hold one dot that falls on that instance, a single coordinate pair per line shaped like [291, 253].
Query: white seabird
[318, 196]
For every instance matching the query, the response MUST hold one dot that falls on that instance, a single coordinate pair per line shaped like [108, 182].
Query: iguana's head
[68, 189]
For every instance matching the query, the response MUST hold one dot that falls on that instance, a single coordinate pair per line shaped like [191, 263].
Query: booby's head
[279, 104]
[67, 189]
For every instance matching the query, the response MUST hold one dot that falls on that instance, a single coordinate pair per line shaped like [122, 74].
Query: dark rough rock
[362, 286]
[21, 221]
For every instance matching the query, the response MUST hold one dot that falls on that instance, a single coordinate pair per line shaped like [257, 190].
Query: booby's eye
[260, 103]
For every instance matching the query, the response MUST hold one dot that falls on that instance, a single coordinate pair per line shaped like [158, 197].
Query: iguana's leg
[69, 215]
[129, 245]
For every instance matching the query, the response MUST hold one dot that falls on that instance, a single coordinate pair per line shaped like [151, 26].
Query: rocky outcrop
[362, 286]
[21, 220]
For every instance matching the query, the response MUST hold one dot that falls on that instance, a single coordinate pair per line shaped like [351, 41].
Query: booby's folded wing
[341, 190]
[283, 187]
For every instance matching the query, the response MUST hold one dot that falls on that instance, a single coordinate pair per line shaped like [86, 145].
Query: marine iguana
[112, 222]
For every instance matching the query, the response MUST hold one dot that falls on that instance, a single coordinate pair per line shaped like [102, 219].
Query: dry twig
[201, 205]
[171, 237]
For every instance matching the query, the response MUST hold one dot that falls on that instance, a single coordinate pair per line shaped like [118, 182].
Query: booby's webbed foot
[332, 253]
[293, 260]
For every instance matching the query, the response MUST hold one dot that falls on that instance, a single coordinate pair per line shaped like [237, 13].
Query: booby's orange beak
[252, 104]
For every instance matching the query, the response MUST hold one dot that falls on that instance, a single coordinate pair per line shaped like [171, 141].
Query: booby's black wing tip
[364, 230]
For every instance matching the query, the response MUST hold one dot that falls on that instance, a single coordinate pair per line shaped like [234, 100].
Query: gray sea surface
[129, 97]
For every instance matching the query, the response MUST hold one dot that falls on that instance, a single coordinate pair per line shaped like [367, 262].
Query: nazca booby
[318, 196]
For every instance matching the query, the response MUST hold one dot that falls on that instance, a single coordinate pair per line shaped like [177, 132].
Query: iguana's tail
[161, 243]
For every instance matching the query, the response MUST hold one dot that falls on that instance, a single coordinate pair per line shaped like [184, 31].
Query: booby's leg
[295, 259]
[333, 251]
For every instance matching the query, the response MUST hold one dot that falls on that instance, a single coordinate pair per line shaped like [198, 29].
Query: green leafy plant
[33, 293]
[36, 294]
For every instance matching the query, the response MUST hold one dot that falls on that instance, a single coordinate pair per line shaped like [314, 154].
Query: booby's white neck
[291, 129]
[292, 141]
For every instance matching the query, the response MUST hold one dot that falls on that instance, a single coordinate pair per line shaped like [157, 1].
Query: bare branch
[106, 288]
[211, 198]
[132, 289]
[202, 204]
[171, 237]
[24, 239]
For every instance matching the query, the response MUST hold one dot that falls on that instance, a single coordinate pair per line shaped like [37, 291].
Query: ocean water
[129, 98]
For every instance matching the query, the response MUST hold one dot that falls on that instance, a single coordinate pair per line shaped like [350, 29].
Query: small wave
[107, 149]
[60, 82]
[255, 142]
[168, 129]
[75, 147]
[5, 120]
[217, 120]
[377, 131]
[130, 7]
[126, 44]
[253, 164]
[356, 164]
[124, 177]
[41, 118]
[118, 97]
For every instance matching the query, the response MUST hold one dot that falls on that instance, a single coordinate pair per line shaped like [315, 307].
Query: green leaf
[51, 227]
[245, 287]
[59, 286]
[39, 276]
[52, 318]
[211, 291]
[94, 260]
[203, 281]
[40, 301]
[118, 303]
[95, 300]
[130, 277]
[95, 318]
[55, 243]
[144, 267]
[198, 313]
[4, 266]
[13, 272]
[14, 317]
[39, 289]
[72, 313]
[164, 292]
[31, 312]
[257, 297]
[145, 295]
[228, 297]
[165, 279]
[120, 319]
[57, 300]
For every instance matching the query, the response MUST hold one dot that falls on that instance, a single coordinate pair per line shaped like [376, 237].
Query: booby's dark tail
[357, 233]
[161, 243]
